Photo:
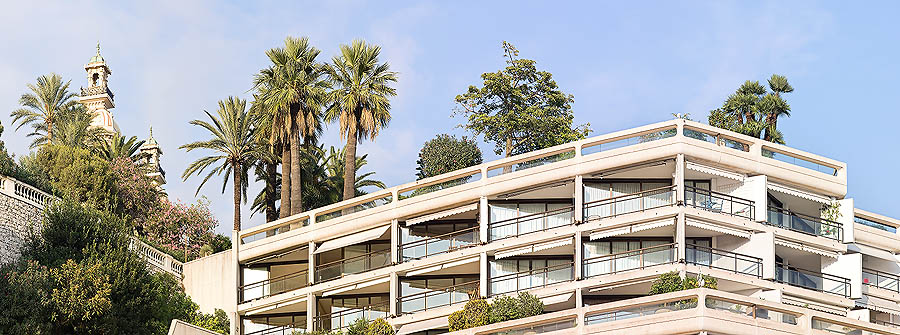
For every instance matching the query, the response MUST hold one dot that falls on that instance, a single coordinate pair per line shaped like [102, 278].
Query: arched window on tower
[95, 80]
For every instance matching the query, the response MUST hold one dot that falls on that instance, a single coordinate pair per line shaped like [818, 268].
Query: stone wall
[17, 217]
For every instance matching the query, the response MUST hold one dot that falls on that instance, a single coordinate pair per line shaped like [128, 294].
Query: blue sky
[626, 66]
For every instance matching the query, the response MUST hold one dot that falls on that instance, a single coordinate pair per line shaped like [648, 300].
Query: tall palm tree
[266, 170]
[234, 141]
[72, 128]
[359, 100]
[775, 106]
[48, 98]
[118, 146]
[294, 91]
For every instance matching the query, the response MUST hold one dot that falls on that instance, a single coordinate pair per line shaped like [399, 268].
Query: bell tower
[151, 151]
[97, 96]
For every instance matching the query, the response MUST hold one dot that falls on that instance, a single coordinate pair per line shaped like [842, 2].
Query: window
[543, 272]
[411, 236]
[597, 191]
[502, 211]
[623, 259]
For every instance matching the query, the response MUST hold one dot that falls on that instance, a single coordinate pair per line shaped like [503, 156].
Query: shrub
[358, 327]
[217, 322]
[667, 282]
[476, 313]
[505, 308]
[530, 305]
[379, 327]
[708, 282]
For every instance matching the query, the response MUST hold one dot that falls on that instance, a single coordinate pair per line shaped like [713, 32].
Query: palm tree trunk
[237, 196]
[285, 180]
[296, 174]
[271, 174]
[350, 165]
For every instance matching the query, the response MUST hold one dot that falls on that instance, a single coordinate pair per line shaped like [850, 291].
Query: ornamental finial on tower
[97, 58]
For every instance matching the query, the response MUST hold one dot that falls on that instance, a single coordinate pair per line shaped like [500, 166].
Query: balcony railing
[723, 260]
[531, 223]
[358, 264]
[718, 202]
[821, 282]
[639, 311]
[344, 318]
[439, 244]
[629, 203]
[805, 224]
[435, 298]
[629, 260]
[94, 90]
[290, 329]
[273, 286]
[536, 278]
[876, 225]
[880, 279]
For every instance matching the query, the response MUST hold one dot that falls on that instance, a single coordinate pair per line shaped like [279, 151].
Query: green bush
[505, 308]
[217, 322]
[476, 313]
[379, 327]
[530, 305]
[358, 327]
[672, 282]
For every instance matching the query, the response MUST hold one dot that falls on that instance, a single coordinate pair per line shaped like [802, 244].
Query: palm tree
[359, 101]
[266, 170]
[294, 91]
[72, 128]
[775, 106]
[48, 98]
[234, 140]
[118, 146]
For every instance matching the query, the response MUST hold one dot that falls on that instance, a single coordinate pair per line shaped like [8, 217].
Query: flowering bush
[137, 195]
[178, 226]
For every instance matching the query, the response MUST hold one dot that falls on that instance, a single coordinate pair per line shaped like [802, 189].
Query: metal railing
[881, 279]
[639, 311]
[439, 244]
[290, 329]
[344, 318]
[535, 278]
[723, 260]
[531, 223]
[718, 202]
[629, 260]
[817, 281]
[629, 203]
[805, 224]
[357, 264]
[886, 323]
[435, 298]
[273, 286]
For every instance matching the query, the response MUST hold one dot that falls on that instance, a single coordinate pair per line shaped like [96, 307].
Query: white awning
[798, 193]
[714, 171]
[364, 284]
[717, 228]
[443, 266]
[803, 247]
[533, 248]
[632, 228]
[872, 251]
[879, 305]
[442, 214]
[435, 323]
[814, 305]
[555, 299]
[352, 239]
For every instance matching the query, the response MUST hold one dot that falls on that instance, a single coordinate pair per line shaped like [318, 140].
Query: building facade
[587, 226]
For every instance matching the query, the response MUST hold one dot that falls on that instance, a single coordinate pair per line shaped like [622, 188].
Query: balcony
[805, 224]
[353, 265]
[629, 260]
[439, 244]
[447, 296]
[94, 90]
[531, 279]
[273, 286]
[531, 223]
[289, 329]
[821, 282]
[344, 318]
[723, 260]
[718, 202]
[629, 203]
[884, 280]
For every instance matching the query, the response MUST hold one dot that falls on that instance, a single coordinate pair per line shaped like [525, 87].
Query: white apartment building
[586, 226]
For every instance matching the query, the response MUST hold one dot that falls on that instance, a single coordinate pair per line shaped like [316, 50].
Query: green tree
[119, 146]
[76, 173]
[48, 98]
[754, 111]
[72, 128]
[476, 313]
[519, 108]
[233, 140]
[81, 294]
[379, 327]
[446, 153]
[359, 100]
[294, 92]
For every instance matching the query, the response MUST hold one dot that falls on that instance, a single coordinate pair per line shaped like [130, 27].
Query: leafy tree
[217, 322]
[47, 99]
[72, 128]
[754, 111]
[294, 92]
[118, 146]
[446, 153]
[233, 139]
[379, 327]
[81, 294]
[519, 108]
[359, 100]
[76, 173]
[169, 225]
[137, 197]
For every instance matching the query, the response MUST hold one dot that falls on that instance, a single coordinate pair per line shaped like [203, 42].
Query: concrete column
[484, 217]
[758, 192]
[579, 199]
[236, 267]
[679, 179]
[846, 266]
[483, 271]
[846, 219]
[394, 294]
[579, 298]
[763, 245]
[395, 241]
[680, 236]
[312, 262]
[311, 312]
[579, 256]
